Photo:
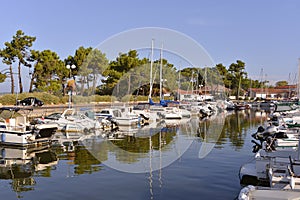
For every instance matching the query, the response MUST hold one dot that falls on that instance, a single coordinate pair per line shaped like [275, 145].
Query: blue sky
[263, 34]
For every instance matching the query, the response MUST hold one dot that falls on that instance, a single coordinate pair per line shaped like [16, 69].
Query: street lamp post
[71, 67]
[71, 83]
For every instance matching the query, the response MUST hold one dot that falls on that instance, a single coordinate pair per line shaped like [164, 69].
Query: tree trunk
[87, 82]
[82, 85]
[20, 78]
[12, 80]
[94, 84]
[31, 82]
[129, 79]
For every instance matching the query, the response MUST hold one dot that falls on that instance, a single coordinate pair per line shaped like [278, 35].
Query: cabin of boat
[16, 131]
[122, 117]
[72, 121]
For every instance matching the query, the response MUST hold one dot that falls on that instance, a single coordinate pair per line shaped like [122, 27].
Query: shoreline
[39, 111]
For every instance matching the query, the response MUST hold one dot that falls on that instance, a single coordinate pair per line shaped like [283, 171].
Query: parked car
[30, 101]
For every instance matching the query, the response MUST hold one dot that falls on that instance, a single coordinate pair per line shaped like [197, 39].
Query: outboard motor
[256, 147]
[203, 113]
[259, 133]
[114, 126]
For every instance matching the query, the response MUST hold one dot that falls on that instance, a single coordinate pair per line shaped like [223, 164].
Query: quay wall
[32, 111]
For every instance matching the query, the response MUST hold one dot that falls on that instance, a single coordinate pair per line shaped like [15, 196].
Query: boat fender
[3, 153]
[3, 137]
[244, 193]
[292, 183]
[270, 176]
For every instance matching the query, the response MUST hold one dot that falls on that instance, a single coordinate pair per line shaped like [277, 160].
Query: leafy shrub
[48, 99]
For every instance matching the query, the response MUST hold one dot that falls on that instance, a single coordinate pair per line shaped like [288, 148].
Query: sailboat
[167, 112]
[162, 101]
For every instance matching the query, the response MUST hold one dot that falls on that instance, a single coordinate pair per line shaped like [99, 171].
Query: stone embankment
[32, 111]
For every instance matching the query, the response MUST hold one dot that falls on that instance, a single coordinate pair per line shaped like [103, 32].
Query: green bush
[49, 99]
[105, 98]
[8, 99]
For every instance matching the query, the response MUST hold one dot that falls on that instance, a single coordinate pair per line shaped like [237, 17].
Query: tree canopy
[281, 83]
[128, 73]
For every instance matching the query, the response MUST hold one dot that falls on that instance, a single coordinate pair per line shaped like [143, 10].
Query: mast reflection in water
[163, 162]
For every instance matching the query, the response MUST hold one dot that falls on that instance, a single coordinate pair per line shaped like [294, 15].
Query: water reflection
[20, 165]
[235, 129]
[145, 151]
[68, 147]
[139, 150]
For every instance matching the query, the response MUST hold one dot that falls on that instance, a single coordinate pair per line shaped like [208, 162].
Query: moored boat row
[274, 170]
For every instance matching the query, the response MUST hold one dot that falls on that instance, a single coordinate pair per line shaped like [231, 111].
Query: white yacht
[72, 121]
[121, 116]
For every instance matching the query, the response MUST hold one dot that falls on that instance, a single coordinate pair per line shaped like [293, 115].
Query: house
[205, 93]
[280, 92]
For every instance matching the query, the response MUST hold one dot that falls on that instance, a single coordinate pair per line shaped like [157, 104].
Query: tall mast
[178, 95]
[298, 86]
[205, 80]
[151, 66]
[192, 83]
[261, 82]
[160, 75]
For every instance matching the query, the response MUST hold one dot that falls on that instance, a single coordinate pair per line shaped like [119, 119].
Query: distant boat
[266, 105]
[171, 113]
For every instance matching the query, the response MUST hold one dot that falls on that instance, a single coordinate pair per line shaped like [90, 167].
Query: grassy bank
[49, 99]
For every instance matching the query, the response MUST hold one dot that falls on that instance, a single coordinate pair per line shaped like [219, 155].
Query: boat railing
[14, 124]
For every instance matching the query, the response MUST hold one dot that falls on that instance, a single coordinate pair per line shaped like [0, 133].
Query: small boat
[274, 137]
[171, 113]
[240, 106]
[267, 105]
[16, 131]
[122, 117]
[229, 105]
[266, 163]
[283, 178]
[263, 193]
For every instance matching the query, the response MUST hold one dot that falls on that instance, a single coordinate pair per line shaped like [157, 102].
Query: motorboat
[275, 136]
[171, 113]
[263, 193]
[17, 131]
[266, 166]
[123, 117]
[72, 121]
[283, 178]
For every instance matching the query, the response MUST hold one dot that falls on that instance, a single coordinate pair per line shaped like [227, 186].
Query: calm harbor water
[166, 163]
